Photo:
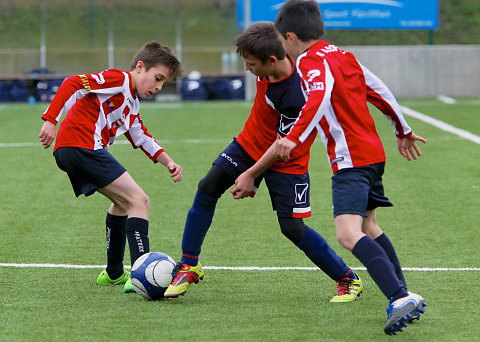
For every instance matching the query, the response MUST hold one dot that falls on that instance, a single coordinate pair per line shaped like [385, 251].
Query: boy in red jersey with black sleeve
[277, 104]
[338, 88]
[99, 108]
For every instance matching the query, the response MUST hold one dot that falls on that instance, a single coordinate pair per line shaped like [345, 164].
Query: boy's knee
[215, 182]
[343, 240]
[144, 201]
[138, 200]
[293, 228]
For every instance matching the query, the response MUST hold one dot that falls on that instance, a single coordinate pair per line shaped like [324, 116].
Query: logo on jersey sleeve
[85, 82]
[312, 74]
[312, 86]
[301, 193]
[99, 78]
[285, 124]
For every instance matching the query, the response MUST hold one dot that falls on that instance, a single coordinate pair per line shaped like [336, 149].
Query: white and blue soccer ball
[151, 274]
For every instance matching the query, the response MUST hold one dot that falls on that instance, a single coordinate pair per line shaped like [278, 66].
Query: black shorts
[359, 189]
[88, 170]
[289, 193]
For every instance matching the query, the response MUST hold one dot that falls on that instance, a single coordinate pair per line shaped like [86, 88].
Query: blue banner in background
[356, 14]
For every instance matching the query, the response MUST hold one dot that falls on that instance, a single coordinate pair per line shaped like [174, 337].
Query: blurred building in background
[51, 39]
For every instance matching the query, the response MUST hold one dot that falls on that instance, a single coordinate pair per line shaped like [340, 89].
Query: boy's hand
[283, 148]
[243, 186]
[47, 134]
[176, 171]
[408, 146]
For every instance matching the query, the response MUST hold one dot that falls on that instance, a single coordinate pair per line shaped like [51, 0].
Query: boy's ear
[273, 60]
[140, 66]
[291, 36]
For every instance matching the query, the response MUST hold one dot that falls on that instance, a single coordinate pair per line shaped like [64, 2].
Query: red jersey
[274, 112]
[99, 107]
[338, 88]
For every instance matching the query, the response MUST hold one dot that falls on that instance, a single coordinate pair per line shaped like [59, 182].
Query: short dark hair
[302, 18]
[153, 54]
[261, 41]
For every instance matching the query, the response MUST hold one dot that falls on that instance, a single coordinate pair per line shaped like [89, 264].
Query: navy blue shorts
[359, 189]
[289, 193]
[88, 170]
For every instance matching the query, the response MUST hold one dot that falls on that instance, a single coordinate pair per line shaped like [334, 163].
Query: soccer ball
[151, 274]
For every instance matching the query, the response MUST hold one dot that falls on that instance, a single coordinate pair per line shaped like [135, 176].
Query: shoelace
[343, 286]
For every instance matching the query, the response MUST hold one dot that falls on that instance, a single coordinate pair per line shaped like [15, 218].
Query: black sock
[137, 235]
[374, 258]
[115, 231]
[387, 246]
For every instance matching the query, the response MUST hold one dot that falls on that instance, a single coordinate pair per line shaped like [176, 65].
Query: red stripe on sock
[190, 256]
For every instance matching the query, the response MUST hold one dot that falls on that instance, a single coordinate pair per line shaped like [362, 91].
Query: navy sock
[374, 258]
[115, 231]
[137, 235]
[387, 246]
[317, 249]
[199, 219]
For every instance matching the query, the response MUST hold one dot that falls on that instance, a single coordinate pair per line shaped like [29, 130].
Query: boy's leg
[371, 228]
[370, 254]
[355, 192]
[290, 196]
[127, 195]
[403, 304]
[199, 219]
[317, 249]
[116, 237]
[200, 214]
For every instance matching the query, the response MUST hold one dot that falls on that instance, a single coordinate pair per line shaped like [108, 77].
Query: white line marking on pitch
[244, 268]
[442, 125]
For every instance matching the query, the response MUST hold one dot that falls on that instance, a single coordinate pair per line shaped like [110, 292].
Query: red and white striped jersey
[99, 107]
[337, 88]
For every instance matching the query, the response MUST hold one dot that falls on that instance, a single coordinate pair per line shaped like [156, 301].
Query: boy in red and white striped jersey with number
[99, 108]
[337, 87]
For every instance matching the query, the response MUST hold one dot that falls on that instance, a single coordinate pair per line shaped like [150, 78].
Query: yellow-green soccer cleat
[347, 290]
[104, 279]
[128, 287]
[185, 275]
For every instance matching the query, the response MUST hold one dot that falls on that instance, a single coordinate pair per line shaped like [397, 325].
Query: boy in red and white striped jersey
[337, 87]
[99, 108]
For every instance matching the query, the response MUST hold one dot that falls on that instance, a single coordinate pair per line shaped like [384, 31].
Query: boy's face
[256, 67]
[148, 83]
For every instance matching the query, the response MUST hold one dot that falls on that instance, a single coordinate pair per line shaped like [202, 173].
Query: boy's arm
[140, 138]
[317, 77]
[244, 183]
[68, 93]
[176, 171]
[381, 97]
[64, 99]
